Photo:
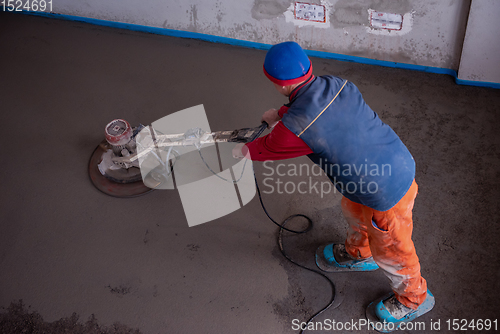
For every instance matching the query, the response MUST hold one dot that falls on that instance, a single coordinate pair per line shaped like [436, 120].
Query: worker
[327, 119]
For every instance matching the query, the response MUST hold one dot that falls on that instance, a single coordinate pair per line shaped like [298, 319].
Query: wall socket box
[387, 21]
[309, 12]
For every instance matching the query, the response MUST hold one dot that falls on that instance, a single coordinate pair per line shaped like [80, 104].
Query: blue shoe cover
[325, 260]
[382, 320]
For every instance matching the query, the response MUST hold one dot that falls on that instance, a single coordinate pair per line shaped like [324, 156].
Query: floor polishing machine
[114, 165]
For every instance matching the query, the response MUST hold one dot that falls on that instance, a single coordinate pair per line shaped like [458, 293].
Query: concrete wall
[481, 51]
[432, 34]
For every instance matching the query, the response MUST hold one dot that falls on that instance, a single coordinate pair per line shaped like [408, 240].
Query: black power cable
[280, 244]
[280, 233]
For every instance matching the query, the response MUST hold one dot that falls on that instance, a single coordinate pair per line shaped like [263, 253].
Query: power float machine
[114, 165]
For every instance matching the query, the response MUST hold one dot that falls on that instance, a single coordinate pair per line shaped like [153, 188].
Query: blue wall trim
[262, 46]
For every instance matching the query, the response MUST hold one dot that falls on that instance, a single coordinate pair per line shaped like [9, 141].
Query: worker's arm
[280, 144]
[272, 117]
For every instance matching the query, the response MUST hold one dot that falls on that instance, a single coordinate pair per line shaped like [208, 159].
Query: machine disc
[119, 183]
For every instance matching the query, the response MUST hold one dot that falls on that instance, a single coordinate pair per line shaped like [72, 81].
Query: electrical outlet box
[387, 21]
[310, 12]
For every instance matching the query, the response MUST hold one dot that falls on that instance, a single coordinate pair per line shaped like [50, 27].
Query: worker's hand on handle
[271, 117]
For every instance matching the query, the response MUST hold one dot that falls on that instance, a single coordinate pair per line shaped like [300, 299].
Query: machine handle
[262, 128]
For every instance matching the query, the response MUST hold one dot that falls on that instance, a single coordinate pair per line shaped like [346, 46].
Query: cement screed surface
[75, 260]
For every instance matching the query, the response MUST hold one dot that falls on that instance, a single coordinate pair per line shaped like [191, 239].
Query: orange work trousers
[386, 235]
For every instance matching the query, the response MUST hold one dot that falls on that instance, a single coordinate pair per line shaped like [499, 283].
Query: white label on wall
[309, 12]
[303, 14]
[389, 24]
[386, 20]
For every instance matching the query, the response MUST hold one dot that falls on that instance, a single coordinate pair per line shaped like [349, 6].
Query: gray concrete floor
[67, 248]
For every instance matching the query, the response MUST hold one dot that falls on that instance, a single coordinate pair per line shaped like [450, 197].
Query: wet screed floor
[83, 261]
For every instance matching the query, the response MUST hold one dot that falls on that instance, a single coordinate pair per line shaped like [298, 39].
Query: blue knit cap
[286, 64]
